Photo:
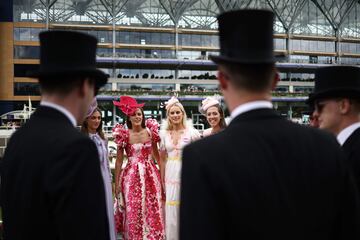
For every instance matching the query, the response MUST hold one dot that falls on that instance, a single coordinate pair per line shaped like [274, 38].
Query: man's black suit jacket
[51, 185]
[267, 178]
[351, 149]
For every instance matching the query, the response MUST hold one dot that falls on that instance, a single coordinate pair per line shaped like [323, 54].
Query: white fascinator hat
[207, 103]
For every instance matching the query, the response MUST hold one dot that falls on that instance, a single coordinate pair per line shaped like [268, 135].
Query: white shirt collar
[248, 107]
[68, 114]
[346, 132]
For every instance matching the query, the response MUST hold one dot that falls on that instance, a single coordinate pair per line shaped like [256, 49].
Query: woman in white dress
[214, 115]
[177, 132]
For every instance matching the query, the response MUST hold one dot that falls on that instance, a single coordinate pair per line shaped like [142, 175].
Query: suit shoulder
[203, 144]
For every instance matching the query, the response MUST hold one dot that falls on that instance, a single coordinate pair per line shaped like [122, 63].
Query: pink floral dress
[141, 187]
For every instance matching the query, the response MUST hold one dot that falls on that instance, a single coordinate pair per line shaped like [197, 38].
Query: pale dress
[173, 178]
[207, 132]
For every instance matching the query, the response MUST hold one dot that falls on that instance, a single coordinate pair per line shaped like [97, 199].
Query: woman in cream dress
[175, 135]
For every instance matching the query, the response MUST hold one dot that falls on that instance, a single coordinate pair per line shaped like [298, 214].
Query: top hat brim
[99, 76]
[334, 93]
[223, 59]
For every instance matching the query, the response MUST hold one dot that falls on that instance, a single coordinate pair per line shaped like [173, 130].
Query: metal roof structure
[310, 17]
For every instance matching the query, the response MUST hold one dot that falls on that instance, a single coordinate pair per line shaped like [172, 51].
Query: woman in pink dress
[139, 182]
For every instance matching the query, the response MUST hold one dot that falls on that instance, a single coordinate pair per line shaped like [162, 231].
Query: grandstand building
[152, 49]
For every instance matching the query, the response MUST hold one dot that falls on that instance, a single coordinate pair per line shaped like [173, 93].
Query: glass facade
[145, 73]
[26, 52]
[144, 38]
[27, 89]
[144, 53]
[27, 34]
[145, 87]
[315, 32]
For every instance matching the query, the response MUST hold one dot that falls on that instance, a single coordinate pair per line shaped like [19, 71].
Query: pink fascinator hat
[92, 107]
[208, 102]
[128, 105]
[171, 102]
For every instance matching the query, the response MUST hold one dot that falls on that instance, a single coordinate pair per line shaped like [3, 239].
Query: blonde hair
[169, 123]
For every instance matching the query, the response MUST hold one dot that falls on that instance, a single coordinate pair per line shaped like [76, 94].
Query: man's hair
[252, 77]
[355, 104]
[62, 85]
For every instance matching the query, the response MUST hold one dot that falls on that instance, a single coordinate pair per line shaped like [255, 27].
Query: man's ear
[82, 88]
[275, 81]
[223, 79]
[344, 106]
[85, 87]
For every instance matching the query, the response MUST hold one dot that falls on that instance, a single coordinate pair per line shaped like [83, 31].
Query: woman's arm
[155, 153]
[162, 163]
[118, 165]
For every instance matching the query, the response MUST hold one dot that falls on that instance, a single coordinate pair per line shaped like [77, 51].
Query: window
[167, 39]
[22, 70]
[24, 34]
[26, 89]
[26, 52]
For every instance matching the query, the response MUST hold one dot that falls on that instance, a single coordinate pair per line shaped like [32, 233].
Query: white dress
[207, 132]
[172, 178]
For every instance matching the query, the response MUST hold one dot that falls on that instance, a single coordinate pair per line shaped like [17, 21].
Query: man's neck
[242, 98]
[67, 103]
[346, 122]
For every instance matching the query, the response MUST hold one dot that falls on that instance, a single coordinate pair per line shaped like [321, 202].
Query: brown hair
[99, 130]
[222, 122]
[252, 77]
[129, 124]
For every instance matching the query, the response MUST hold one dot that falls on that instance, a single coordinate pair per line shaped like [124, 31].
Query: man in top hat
[263, 177]
[51, 184]
[337, 106]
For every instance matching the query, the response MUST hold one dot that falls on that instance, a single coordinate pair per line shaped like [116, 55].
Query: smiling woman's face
[136, 118]
[176, 115]
[213, 116]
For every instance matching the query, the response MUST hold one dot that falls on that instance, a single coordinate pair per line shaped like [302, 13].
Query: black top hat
[68, 53]
[336, 81]
[246, 36]
[310, 101]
